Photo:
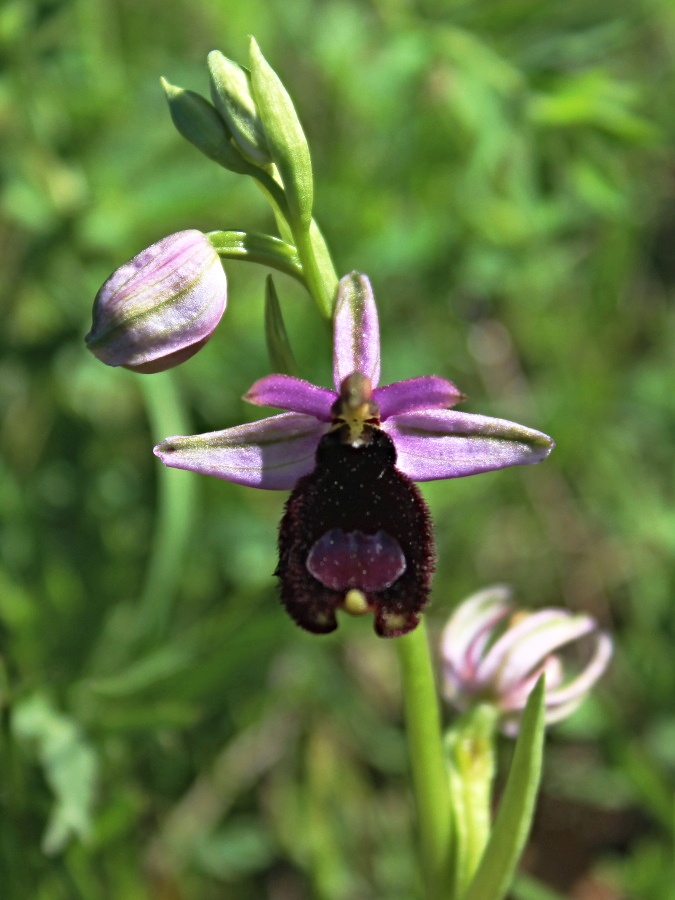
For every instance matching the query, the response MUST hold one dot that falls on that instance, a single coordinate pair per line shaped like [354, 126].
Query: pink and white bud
[494, 654]
[161, 307]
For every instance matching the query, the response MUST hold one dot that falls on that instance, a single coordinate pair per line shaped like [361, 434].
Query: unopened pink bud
[161, 307]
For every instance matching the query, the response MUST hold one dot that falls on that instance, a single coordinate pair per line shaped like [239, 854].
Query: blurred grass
[504, 172]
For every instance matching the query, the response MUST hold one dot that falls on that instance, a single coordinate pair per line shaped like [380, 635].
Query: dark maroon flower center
[342, 560]
[356, 535]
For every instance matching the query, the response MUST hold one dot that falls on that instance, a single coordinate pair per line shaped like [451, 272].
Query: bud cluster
[162, 306]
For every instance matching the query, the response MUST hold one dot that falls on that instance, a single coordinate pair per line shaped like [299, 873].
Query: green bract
[232, 96]
[285, 137]
[278, 346]
[200, 124]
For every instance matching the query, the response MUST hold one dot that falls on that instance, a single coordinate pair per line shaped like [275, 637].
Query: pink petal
[447, 444]
[356, 340]
[413, 394]
[526, 645]
[577, 688]
[469, 628]
[294, 394]
[160, 307]
[272, 453]
[552, 667]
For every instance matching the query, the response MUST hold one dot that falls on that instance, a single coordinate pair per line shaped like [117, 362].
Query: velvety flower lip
[160, 307]
[492, 655]
[431, 440]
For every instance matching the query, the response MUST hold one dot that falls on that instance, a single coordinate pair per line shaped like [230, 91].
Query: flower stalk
[323, 290]
[428, 770]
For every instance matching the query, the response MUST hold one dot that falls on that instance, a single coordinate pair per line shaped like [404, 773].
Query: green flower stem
[259, 248]
[429, 774]
[318, 284]
[318, 272]
[470, 744]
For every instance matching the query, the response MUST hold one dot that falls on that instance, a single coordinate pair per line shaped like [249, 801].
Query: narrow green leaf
[260, 248]
[233, 98]
[285, 137]
[278, 346]
[514, 818]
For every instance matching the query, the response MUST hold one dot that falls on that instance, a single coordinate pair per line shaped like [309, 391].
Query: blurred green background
[504, 170]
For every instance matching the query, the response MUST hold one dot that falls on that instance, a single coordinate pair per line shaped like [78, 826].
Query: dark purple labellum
[355, 527]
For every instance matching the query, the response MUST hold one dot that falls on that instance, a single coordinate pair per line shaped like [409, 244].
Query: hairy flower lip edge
[335, 499]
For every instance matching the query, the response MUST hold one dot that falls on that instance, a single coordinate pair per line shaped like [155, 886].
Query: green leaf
[514, 818]
[232, 95]
[285, 137]
[69, 763]
[278, 345]
[260, 248]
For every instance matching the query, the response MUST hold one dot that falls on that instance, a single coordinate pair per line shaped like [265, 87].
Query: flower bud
[199, 123]
[285, 138]
[232, 96]
[493, 654]
[161, 307]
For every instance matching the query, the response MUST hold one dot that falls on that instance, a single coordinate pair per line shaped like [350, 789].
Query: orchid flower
[492, 654]
[356, 534]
